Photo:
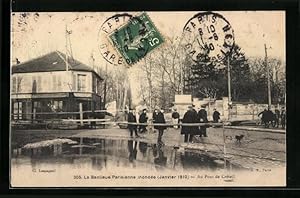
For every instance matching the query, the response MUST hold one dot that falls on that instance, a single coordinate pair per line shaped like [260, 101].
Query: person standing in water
[132, 127]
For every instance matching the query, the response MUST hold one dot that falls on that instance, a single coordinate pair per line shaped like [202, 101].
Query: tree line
[169, 70]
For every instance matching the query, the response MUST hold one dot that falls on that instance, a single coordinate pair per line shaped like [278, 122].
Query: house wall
[239, 111]
[51, 82]
[96, 84]
[37, 92]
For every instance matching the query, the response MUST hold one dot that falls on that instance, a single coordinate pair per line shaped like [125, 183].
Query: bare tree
[259, 77]
[116, 86]
[163, 70]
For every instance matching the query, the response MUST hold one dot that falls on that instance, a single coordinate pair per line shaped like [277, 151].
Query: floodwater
[101, 154]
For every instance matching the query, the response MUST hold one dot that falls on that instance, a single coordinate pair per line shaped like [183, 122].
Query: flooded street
[101, 157]
[108, 154]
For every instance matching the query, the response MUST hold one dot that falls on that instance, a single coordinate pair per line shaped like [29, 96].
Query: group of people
[158, 118]
[278, 118]
[190, 122]
[134, 127]
[192, 118]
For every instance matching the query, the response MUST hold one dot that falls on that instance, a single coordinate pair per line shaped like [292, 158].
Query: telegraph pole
[150, 90]
[268, 77]
[93, 61]
[105, 81]
[229, 80]
[181, 79]
[229, 86]
[66, 35]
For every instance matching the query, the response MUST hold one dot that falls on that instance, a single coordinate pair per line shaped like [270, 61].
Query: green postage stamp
[137, 38]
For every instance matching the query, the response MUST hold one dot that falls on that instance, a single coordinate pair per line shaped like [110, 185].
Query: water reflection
[132, 152]
[192, 160]
[160, 159]
[100, 154]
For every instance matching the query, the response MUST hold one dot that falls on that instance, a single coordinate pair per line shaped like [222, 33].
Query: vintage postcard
[148, 99]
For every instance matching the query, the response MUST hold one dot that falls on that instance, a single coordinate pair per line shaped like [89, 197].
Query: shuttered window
[14, 85]
[81, 82]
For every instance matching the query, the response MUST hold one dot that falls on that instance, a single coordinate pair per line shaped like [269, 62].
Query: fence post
[150, 124]
[150, 127]
[81, 114]
[224, 145]
[80, 143]
[33, 118]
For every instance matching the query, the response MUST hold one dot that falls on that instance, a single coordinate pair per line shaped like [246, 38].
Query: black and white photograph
[148, 99]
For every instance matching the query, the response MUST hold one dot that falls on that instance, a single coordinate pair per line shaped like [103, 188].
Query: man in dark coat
[263, 116]
[155, 113]
[159, 118]
[283, 117]
[202, 117]
[175, 118]
[131, 127]
[277, 116]
[143, 119]
[189, 131]
[269, 117]
[216, 116]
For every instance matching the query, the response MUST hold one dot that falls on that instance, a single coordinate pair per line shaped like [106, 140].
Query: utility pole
[149, 78]
[268, 77]
[229, 80]
[105, 82]
[125, 91]
[229, 86]
[181, 79]
[66, 37]
[93, 61]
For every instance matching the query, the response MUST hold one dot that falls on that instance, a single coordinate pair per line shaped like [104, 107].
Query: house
[51, 84]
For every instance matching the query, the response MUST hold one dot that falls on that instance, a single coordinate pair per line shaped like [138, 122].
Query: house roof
[53, 61]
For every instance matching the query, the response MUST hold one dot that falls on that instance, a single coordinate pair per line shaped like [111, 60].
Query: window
[57, 105]
[94, 85]
[98, 87]
[73, 86]
[34, 85]
[54, 83]
[17, 110]
[19, 83]
[81, 82]
[59, 83]
[14, 84]
[44, 83]
[39, 83]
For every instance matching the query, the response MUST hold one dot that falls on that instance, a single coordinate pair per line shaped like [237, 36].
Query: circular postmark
[107, 50]
[209, 35]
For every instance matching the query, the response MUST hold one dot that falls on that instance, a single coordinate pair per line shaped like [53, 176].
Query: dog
[239, 138]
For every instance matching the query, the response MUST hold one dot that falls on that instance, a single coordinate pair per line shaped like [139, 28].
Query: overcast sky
[46, 32]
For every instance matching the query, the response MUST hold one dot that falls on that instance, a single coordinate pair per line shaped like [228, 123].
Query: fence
[258, 144]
